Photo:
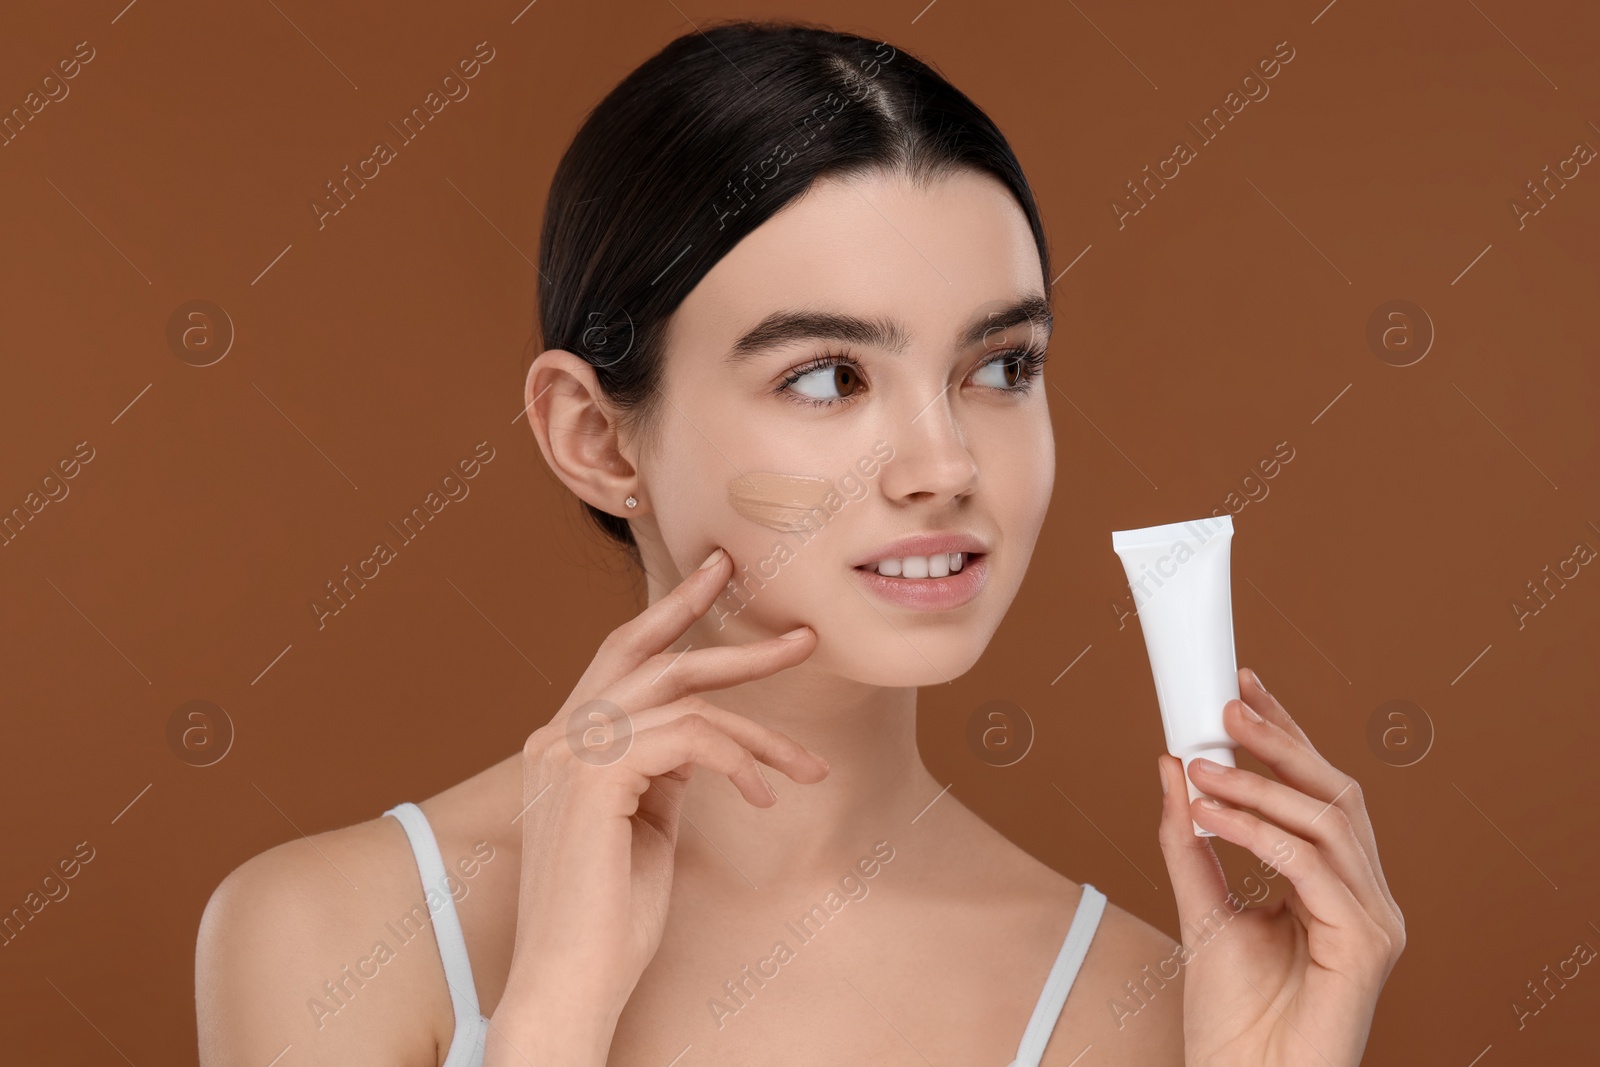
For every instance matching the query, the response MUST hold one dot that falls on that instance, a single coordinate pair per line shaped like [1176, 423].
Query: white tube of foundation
[1179, 575]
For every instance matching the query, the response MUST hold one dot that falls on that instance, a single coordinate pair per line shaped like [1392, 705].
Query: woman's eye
[1010, 371]
[835, 381]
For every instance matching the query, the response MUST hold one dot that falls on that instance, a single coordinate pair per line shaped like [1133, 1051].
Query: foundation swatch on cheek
[784, 502]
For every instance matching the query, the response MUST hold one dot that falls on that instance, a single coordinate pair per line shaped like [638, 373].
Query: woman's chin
[903, 666]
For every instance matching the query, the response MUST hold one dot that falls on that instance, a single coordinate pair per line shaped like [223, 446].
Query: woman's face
[803, 471]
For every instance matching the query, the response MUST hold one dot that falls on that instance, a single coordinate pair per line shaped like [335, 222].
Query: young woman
[794, 295]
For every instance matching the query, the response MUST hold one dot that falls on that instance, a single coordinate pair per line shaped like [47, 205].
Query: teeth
[938, 566]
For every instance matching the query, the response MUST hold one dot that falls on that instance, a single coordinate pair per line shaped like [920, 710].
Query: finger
[1278, 742]
[1324, 825]
[1253, 693]
[661, 803]
[1361, 944]
[1198, 883]
[773, 747]
[690, 738]
[659, 625]
[667, 676]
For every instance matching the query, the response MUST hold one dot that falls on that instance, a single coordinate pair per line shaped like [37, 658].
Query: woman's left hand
[1293, 983]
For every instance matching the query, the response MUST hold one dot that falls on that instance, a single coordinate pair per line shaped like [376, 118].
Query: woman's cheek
[1040, 463]
[774, 578]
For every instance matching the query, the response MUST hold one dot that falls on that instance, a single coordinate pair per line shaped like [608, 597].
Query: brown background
[378, 350]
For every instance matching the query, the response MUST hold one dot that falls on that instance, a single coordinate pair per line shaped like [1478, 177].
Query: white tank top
[466, 1047]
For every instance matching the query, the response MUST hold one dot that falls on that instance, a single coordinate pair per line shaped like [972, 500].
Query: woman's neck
[876, 781]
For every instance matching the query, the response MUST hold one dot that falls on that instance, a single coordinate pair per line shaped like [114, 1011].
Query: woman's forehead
[878, 249]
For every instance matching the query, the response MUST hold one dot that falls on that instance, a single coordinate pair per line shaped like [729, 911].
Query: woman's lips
[929, 594]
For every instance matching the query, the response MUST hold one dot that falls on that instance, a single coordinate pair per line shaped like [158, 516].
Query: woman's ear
[577, 430]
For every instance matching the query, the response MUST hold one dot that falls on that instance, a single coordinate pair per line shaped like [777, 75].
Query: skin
[599, 931]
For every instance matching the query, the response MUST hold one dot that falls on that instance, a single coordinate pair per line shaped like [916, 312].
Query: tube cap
[1222, 755]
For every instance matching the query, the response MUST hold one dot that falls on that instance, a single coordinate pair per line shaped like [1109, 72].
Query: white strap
[446, 930]
[1091, 905]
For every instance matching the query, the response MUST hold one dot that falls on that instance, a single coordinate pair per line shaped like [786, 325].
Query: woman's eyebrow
[787, 327]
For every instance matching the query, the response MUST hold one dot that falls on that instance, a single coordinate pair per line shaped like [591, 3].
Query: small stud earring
[631, 502]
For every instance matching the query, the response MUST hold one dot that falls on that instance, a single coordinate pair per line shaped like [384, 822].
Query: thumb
[1198, 882]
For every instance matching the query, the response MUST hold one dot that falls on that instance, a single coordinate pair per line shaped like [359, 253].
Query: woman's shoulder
[306, 945]
[1127, 998]
[1121, 937]
[1137, 1024]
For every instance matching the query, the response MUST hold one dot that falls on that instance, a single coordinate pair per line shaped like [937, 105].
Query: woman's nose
[931, 458]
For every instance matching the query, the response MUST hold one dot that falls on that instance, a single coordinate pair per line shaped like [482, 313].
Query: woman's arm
[603, 785]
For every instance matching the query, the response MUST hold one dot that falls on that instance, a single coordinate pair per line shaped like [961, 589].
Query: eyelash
[1033, 359]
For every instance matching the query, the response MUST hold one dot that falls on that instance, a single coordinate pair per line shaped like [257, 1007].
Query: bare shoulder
[314, 944]
[1127, 999]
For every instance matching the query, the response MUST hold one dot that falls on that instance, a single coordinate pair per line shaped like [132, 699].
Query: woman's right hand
[600, 819]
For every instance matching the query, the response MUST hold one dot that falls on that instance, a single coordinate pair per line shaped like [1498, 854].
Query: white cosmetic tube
[1179, 575]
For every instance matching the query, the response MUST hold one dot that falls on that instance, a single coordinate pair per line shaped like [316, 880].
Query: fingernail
[1209, 766]
[1161, 769]
[1249, 712]
[1257, 679]
[795, 634]
[1214, 805]
[712, 559]
[766, 782]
